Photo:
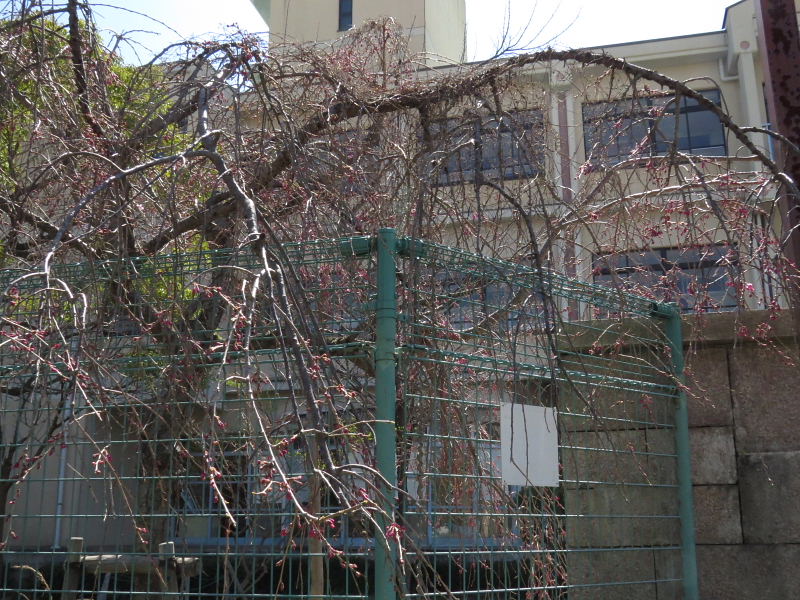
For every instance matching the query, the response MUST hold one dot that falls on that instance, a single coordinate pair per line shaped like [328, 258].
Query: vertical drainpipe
[565, 157]
[688, 550]
[62, 474]
[385, 398]
[66, 417]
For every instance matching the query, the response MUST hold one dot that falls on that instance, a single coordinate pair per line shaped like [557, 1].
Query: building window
[205, 508]
[345, 14]
[616, 131]
[698, 279]
[509, 147]
[346, 160]
[467, 301]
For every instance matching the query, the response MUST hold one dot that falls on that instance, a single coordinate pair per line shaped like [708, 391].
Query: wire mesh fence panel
[337, 419]
[537, 455]
[163, 420]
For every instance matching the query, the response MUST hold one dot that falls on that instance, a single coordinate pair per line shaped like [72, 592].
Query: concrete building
[436, 28]
[744, 410]
[572, 115]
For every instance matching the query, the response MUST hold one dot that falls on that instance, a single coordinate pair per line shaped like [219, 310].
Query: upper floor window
[698, 279]
[615, 131]
[508, 147]
[345, 14]
[345, 159]
[468, 301]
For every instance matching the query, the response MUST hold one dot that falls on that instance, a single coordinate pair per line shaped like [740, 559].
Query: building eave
[728, 8]
[696, 46]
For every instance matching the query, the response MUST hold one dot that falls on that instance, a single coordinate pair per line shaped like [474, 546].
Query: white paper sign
[528, 445]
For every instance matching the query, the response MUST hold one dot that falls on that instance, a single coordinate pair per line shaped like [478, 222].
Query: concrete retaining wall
[745, 435]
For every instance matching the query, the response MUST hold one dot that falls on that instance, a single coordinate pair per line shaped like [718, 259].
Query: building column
[752, 97]
[562, 110]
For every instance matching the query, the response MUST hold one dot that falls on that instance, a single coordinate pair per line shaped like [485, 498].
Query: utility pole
[780, 51]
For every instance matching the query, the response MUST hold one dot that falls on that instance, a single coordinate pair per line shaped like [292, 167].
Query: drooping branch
[79, 69]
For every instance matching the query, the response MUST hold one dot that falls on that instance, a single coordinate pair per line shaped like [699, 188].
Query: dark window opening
[698, 279]
[616, 131]
[345, 160]
[506, 307]
[230, 495]
[471, 303]
[509, 147]
[345, 14]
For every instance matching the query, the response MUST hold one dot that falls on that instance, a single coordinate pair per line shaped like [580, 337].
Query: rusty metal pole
[780, 51]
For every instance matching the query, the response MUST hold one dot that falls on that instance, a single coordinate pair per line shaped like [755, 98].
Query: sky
[584, 23]
[563, 23]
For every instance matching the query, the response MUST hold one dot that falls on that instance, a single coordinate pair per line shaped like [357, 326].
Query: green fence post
[688, 551]
[385, 398]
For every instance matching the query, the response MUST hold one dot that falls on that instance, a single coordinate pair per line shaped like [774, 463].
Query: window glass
[454, 159]
[650, 258]
[615, 131]
[468, 301]
[510, 146]
[345, 14]
[706, 131]
[684, 138]
[664, 132]
[506, 148]
[698, 279]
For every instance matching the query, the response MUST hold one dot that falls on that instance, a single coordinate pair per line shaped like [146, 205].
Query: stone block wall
[745, 435]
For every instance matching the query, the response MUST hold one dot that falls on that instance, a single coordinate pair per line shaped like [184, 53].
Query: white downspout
[62, 458]
[62, 471]
[722, 75]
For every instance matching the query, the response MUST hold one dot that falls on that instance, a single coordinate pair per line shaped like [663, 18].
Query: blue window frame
[508, 147]
[262, 514]
[616, 131]
[466, 302]
[698, 279]
[345, 14]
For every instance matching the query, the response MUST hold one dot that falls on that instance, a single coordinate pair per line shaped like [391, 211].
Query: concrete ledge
[724, 327]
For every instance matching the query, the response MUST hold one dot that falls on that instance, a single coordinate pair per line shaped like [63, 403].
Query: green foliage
[40, 100]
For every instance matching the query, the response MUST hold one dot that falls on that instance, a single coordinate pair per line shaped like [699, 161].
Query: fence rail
[369, 417]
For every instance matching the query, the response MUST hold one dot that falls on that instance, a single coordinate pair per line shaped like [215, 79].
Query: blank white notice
[528, 445]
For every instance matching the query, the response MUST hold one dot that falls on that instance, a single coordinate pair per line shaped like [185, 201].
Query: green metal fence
[370, 417]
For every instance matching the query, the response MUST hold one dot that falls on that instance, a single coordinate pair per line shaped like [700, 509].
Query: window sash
[646, 127]
[505, 148]
[696, 278]
[345, 14]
